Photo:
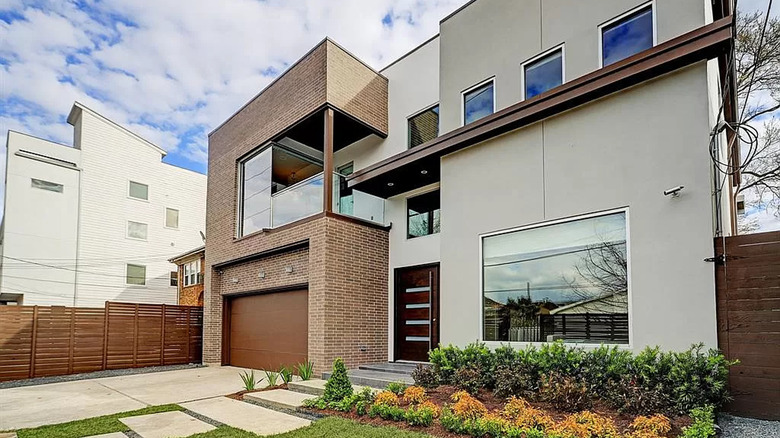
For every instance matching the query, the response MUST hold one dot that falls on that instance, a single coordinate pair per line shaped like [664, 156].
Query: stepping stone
[108, 435]
[278, 399]
[166, 425]
[9, 434]
[316, 387]
[246, 416]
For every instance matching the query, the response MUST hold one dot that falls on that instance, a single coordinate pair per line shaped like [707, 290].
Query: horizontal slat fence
[40, 341]
[748, 307]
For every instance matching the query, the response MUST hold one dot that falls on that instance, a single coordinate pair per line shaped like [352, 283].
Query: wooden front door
[416, 312]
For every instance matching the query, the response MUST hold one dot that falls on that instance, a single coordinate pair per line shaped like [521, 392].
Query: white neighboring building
[95, 222]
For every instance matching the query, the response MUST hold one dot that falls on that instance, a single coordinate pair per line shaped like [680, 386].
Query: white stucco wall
[621, 151]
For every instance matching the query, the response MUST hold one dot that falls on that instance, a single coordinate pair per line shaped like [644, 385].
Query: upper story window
[137, 230]
[255, 208]
[423, 214]
[479, 102]
[136, 275]
[191, 273]
[627, 35]
[46, 185]
[424, 126]
[138, 191]
[543, 73]
[171, 218]
[564, 280]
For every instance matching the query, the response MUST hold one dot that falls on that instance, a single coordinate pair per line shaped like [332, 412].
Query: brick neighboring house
[188, 277]
[450, 196]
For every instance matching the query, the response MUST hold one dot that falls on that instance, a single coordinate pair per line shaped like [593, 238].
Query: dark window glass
[543, 74]
[565, 281]
[174, 278]
[478, 103]
[424, 127]
[627, 37]
[423, 214]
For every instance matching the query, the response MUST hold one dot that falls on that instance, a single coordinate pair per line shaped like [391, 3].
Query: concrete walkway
[33, 406]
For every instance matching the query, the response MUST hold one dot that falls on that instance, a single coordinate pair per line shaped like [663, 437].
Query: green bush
[703, 425]
[396, 388]
[451, 422]
[564, 392]
[515, 381]
[338, 387]
[425, 376]
[469, 379]
[387, 412]
[419, 415]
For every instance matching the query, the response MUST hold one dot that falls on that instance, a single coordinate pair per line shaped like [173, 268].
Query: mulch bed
[240, 394]
[442, 394]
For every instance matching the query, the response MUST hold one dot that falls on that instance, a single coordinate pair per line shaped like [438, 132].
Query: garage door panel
[270, 330]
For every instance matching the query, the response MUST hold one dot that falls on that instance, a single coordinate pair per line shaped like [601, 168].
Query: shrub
[703, 425]
[387, 398]
[422, 414]
[272, 377]
[397, 388]
[656, 426]
[338, 386]
[365, 399]
[286, 374]
[587, 425]
[469, 379]
[425, 376]
[565, 393]
[699, 379]
[305, 370]
[627, 396]
[467, 407]
[345, 405]
[491, 424]
[514, 381]
[387, 412]
[414, 395]
[451, 422]
[522, 415]
[248, 377]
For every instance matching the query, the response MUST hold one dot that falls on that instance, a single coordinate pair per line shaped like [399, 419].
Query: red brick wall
[190, 295]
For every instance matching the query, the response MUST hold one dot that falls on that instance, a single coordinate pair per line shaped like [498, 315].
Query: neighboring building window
[423, 214]
[137, 230]
[191, 273]
[478, 102]
[543, 73]
[255, 212]
[563, 281]
[46, 185]
[424, 126]
[174, 278]
[346, 199]
[627, 36]
[136, 274]
[138, 191]
[171, 218]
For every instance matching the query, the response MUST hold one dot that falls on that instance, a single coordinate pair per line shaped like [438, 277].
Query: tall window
[191, 273]
[137, 230]
[46, 185]
[424, 126]
[255, 212]
[478, 102]
[136, 275]
[564, 281]
[626, 36]
[138, 191]
[423, 214]
[174, 278]
[543, 73]
[346, 196]
[171, 218]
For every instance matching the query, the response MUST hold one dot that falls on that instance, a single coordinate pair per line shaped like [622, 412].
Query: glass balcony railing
[305, 199]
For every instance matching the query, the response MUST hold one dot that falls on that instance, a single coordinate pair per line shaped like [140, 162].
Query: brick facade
[190, 295]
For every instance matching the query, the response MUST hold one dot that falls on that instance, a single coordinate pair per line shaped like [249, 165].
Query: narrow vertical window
[255, 212]
[174, 278]
[627, 36]
[423, 214]
[171, 218]
[542, 74]
[478, 102]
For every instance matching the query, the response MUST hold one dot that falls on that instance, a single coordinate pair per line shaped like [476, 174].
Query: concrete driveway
[33, 406]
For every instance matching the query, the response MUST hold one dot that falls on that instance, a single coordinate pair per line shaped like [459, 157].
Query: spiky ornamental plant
[338, 385]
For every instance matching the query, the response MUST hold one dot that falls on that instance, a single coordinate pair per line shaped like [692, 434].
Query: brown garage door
[269, 331]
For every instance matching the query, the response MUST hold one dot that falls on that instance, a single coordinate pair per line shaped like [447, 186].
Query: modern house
[95, 222]
[189, 276]
[536, 171]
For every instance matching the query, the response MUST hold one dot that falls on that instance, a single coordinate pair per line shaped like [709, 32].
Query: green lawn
[325, 428]
[92, 426]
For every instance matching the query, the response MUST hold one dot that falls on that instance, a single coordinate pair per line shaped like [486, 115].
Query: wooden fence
[38, 341]
[748, 305]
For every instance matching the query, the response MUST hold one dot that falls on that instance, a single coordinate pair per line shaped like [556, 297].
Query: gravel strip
[94, 375]
[203, 418]
[738, 427]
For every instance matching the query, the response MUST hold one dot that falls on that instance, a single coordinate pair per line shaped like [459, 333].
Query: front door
[416, 312]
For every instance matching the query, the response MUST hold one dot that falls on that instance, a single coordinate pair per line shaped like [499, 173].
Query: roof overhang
[188, 254]
[420, 166]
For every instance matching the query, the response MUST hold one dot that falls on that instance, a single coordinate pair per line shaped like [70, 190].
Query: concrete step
[391, 367]
[314, 387]
[278, 399]
[374, 379]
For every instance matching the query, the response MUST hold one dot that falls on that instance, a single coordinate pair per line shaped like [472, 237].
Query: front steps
[380, 374]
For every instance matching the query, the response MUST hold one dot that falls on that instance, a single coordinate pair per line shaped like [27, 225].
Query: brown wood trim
[270, 290]
[263, 254]
[226, 303]
[356, 220]
[703, 43]
[327, 165]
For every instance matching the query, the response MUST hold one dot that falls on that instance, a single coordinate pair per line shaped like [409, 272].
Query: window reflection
[478, 103]
[627, 37]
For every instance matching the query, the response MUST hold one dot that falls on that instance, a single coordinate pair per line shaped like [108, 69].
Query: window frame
[195, 273]
[129, 183]
[174, 277]
[417, 113]
[239, 232]
[52, 186]
[561, 47]
[586, 345]
[127, 231]
[600, 34]
[165, 224]
[127, 265]
[406, 212]
[469, 90]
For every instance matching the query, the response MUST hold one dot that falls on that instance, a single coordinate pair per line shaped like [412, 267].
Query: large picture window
[255, 212]
[563, 281]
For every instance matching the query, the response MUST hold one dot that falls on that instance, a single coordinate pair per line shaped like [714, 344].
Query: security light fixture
[674, 192]
[289, 269]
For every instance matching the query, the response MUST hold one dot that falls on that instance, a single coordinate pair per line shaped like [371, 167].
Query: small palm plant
[273, 377]
[287, 374]
[306, 370]
[248, 377]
